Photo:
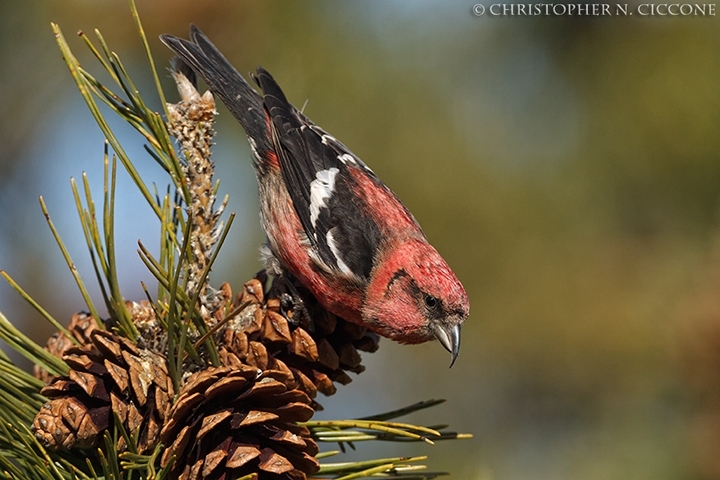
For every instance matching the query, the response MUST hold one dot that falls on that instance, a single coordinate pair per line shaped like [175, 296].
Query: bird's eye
[430, 301]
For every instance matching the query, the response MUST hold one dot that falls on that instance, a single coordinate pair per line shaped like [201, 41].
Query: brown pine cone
[81, 327]
[236, 420]
[110, 374]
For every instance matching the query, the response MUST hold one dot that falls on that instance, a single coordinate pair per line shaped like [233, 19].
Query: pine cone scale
[265, 387]
[273, 462]
[276, 328]
[294, 412]
[224, 386]
[288, 439]
[182, 408]
[304, 346]
[253, 417]
[140, 376]
[119, 375]
[103, 340]
[211, 421]
[212, 461]
[90, 384]
[242, 455]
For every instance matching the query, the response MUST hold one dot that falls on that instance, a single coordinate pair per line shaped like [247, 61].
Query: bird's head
[415, 297]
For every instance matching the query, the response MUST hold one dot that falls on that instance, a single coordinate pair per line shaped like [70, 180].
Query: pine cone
[110, 374]
[236, 420]
[285, 332]
[152, 334]
[81, 327]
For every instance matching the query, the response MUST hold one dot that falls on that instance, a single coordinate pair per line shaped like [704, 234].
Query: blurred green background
[567, 168]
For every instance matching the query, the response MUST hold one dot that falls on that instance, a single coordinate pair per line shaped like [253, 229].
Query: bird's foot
[292, 303]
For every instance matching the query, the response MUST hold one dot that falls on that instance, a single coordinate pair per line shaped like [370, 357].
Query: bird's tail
[225, 82]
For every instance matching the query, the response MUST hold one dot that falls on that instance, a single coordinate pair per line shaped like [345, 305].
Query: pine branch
[137, 394]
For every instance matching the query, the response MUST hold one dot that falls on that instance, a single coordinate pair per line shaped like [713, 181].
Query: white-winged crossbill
[329, 220]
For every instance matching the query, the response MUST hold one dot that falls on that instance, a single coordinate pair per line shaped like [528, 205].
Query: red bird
[329, 220]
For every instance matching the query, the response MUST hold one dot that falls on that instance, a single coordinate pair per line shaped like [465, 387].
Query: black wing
[315, 169]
